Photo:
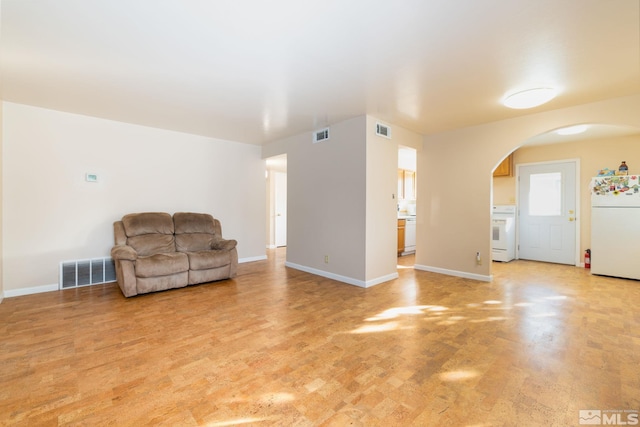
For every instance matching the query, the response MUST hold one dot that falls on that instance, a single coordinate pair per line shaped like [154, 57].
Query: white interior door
[281, 209]
[547, 212]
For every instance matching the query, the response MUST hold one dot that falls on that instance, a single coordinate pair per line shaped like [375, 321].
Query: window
[545, 194]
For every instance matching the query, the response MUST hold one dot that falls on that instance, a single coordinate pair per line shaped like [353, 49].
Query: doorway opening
[548, 203]
[276, 210]
[407, 214]
[545, 197]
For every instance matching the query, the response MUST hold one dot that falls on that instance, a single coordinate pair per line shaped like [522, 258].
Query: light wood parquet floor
[277, 346]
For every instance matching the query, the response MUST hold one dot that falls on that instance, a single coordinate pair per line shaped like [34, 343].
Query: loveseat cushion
[196, 232]
[149, 232]
[204, 260]
[151, 244]
[162, 264]
[189, 222]
[137, 224]
[194, 242]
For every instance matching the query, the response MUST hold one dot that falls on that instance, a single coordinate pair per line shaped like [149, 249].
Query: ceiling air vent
[321, 135]
[383, 130]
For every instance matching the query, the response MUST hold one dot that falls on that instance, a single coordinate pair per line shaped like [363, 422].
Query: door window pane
[545, 194]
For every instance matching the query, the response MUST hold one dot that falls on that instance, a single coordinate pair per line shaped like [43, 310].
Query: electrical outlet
[326, 259]
[478, 258]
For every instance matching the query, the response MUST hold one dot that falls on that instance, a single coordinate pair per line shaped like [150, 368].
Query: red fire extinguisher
[587, 258]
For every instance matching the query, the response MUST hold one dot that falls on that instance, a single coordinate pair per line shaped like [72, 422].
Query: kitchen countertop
[401, 216]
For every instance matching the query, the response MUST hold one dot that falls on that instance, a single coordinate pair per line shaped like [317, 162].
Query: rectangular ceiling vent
[321, 135]
[383, 130]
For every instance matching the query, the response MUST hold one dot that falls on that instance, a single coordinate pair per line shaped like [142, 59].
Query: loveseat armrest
[223, 244]
[124, 252]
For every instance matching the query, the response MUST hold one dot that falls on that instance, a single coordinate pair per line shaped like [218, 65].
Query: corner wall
[326, 192]
[1, 199]
[382, 201]
[342, 201]
[52, 214]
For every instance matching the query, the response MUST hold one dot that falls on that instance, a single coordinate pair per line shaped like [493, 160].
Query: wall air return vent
[321, 135]
[383, 130]
[85, 272]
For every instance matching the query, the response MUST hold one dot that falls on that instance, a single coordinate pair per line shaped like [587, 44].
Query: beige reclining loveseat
[154, 251]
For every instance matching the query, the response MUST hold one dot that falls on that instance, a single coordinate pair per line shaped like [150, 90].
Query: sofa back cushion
[195, 231]
[149, 233]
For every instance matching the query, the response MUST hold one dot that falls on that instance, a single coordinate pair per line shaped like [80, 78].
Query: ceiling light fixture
[572, 130]
[530, 98]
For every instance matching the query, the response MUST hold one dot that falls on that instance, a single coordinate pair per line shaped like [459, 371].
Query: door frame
[578, 220]
[280, 197]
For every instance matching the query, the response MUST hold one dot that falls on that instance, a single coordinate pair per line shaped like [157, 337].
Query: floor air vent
[86, 272]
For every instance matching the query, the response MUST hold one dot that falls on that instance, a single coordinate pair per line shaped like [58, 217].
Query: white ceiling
[255, 71]
[594, 131]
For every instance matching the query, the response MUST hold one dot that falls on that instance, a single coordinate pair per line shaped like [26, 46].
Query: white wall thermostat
[91, 177]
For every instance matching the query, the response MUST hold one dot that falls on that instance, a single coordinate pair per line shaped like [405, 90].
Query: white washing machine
[503, 231]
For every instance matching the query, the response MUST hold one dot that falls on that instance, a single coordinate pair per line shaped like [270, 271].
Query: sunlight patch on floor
[395, 312]
[382, 327]
[490, 319]
[523, 304]
[459, 375]
[277, 398]
[399, 318]
[238, 421]
[547, 314]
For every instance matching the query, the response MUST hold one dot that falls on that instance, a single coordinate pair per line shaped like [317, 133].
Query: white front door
[281, 209]
[547, 212]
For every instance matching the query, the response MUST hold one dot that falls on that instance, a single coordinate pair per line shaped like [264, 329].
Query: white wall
[51, 214]
[1, 198]
[383, 160]
[381, 208]
[454, 208]
[326, 192]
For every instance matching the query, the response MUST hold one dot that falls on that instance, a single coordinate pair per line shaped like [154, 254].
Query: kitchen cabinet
[406, 184]
[401, 227]
[505, 168]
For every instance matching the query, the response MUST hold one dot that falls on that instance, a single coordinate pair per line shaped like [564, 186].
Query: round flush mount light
[572, 130]
[530, 98]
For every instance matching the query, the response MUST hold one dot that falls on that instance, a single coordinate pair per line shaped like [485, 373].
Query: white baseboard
[251, 259]
[455, 273]
[8, 293]
[381, 279]
[29, 291]
[344, 279]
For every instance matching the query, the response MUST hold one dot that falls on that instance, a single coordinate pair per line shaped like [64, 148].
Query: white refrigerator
[615, 226]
